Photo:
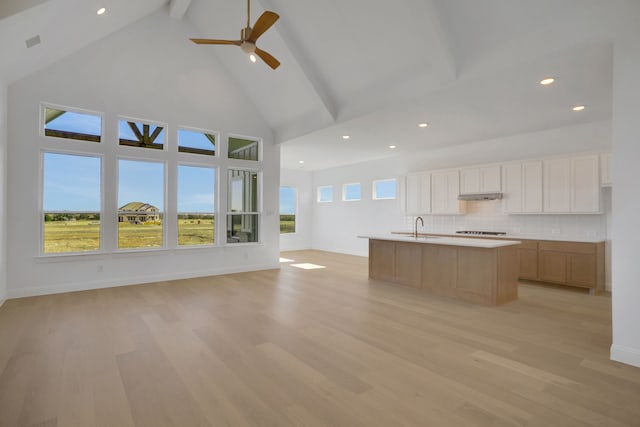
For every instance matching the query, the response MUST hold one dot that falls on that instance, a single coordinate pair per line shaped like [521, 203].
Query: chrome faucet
[415, 231]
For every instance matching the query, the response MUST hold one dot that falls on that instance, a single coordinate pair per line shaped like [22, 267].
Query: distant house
[138, 212]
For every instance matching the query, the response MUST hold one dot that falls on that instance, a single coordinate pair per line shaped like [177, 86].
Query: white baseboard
[113, 283]
[627, 355]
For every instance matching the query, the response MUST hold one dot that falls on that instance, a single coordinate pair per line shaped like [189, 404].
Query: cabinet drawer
[528, 244]
[570, 247]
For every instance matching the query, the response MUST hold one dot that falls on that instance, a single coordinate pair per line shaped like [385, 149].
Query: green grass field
[84, 235]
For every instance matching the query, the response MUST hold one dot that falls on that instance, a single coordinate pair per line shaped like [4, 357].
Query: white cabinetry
[522, 187]
[572, 185]
[483, 179]
[418, 194]
[445, 188]
[605, 169]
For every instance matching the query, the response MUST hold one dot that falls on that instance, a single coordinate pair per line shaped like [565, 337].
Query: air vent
[483, 196]
[33, 41]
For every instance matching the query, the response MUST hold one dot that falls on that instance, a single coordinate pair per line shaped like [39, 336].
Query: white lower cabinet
[445, 189]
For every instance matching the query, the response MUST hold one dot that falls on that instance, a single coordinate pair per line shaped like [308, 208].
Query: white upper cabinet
[418, 194]
[572, 185]
[557, 185]
[483, 179]
[445, 189]
[585, 184]
[522, 187]
[605, 169]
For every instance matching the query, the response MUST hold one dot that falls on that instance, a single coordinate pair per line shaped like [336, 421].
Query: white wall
[302, 181]
[152, 71]
[626, 203]
[3, 190]
[337, 224]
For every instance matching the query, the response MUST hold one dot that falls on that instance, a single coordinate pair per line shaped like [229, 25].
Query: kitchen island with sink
[481, 271]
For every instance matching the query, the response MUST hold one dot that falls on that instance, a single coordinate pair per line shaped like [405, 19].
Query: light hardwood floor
[324, 347]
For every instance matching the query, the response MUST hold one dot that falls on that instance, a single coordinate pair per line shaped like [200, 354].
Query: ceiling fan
[248, 37]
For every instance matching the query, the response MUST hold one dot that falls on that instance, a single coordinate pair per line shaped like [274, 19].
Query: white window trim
[318, 190]
[44, 105]
[344, 192]
[194, 129]
[373, 189]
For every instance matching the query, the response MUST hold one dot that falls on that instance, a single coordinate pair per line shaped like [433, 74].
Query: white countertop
[512, 237]
[449, 241]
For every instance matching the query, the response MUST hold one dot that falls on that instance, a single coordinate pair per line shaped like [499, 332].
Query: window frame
[259, 204]
[42, 121]
[374, 192]
[215, 155]
[319, 190]
[344, 192]
[163, 210]
[41, 210]
[216, 203]
[165, 127]
[295, 213]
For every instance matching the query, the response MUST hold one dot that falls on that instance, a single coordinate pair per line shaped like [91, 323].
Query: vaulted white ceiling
[371, 69]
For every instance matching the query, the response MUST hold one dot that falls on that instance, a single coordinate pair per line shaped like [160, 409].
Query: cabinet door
[585, 194]
[512, 188]
[552, 266]
[470, 181]
[581, 270]
[557, 185]
[445, 188]
[418, 194]
[490, 179]
[528, 264]
[532, 187]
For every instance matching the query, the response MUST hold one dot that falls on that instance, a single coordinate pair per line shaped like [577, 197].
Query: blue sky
[72, 182]
[287, 200]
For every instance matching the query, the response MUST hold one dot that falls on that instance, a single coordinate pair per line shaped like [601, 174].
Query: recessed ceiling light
[301, 161]
[423, 125]
[578, 108]
[392, 146]
[547, 81]
[345, 137]
[101, 11]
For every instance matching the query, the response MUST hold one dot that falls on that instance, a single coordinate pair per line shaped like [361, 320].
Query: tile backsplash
[487, 215]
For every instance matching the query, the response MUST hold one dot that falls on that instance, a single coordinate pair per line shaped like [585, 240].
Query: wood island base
[487, 276]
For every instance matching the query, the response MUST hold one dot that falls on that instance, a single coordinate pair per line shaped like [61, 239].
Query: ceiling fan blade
[266, 20]
[268, 58]
[212, 41]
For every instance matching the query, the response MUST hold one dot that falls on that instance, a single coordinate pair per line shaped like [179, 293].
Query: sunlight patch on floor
[307, 266]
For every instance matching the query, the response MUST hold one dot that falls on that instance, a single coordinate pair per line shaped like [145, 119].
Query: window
[384, 189]
[325, 194]
[351, 192]
[196, 205]
[139, 134]
[83, 126]
[243, 206]
[141, 204]
[288, 196]
[244, 149]
[71, 203]
[197, 142]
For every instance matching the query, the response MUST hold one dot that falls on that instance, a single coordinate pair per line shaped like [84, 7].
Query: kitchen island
[476, 270]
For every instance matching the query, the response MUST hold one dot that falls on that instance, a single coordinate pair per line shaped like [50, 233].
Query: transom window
[197, 142]
[141, 134]
[351, 192]
[244, 149]
[64, 123]
[325, 194]
[384, 189]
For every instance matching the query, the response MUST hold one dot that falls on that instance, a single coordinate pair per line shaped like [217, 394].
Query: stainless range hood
[482, 196]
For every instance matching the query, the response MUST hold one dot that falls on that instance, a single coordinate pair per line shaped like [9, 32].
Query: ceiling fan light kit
[249, 36]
